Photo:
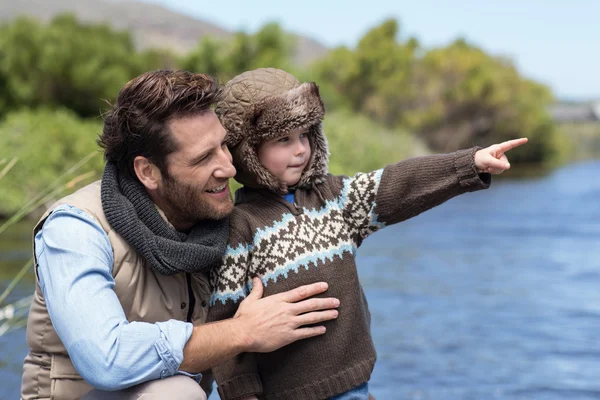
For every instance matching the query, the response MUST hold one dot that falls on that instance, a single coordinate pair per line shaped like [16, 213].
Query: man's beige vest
[145, 295]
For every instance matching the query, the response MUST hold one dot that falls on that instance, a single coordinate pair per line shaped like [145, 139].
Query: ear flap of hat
[249, 170]
[319, 163]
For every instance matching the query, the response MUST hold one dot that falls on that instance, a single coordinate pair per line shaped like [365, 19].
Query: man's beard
[189, 203]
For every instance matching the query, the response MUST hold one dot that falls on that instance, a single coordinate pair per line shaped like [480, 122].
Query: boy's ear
[147, 173]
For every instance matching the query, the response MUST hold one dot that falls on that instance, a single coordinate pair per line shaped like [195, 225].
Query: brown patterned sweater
[315, 239]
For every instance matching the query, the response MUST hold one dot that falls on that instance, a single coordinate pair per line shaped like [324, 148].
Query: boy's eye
[283, 139]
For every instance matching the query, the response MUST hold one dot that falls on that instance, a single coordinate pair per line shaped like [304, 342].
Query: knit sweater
[315, 239]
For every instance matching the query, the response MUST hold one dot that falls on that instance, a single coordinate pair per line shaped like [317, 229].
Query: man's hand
[493, 159]
[276, 321]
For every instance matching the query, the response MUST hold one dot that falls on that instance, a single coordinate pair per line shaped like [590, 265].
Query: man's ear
[147, 173]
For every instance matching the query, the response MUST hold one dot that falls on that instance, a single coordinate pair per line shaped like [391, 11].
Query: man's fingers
[303, 292]
[257, 289]
[305, 333]
[314, 304]
[316, 317]
[511, 144]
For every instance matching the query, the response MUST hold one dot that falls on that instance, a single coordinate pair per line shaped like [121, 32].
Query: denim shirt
[75, 262]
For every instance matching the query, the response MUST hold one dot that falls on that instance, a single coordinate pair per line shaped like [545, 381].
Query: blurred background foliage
[387, 98]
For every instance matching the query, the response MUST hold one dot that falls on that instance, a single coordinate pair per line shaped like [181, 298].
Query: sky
[554, 42]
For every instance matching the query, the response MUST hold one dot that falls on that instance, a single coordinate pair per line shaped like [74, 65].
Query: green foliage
[66, 64]
[451, 97]
[207, 58]
[52, 75]
[46, 143]
[374, 78]
[468, 97]
[269, 47]
[357, 144]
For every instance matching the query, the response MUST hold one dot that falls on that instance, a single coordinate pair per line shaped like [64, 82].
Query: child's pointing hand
[493, 159]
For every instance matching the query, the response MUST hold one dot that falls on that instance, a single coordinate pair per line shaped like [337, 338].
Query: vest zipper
[191, 297]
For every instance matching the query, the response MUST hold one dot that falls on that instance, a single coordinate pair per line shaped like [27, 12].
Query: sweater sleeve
[371, 201]
[230, 282]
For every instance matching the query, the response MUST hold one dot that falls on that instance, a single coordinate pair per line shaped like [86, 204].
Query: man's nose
[226, 169]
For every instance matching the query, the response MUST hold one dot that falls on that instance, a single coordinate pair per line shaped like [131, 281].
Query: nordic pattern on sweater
[320, 240]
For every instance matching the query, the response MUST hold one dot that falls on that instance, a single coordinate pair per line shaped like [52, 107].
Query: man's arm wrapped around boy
[371, 201]
[236, 378]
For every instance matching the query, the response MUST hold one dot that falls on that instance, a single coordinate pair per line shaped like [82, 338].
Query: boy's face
[287, 156]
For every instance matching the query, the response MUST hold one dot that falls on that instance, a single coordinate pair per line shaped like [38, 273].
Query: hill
[151, 25]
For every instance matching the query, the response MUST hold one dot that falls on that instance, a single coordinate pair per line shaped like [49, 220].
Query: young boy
[296, 224]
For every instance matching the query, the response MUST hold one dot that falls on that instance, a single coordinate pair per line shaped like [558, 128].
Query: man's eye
[201, 160]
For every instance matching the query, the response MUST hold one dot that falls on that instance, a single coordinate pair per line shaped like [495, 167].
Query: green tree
[453, 97]
[66, 63]
[207, 58]
[272, 48]
[374, 78]
[467, 97]
[269, 47]
[20, 60]
[240, 55]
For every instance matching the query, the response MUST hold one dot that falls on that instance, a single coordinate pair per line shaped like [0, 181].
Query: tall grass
[14, 315]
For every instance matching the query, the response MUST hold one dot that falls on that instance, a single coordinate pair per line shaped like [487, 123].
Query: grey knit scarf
[134, 216]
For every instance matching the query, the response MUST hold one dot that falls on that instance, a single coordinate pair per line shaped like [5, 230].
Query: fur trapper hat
[261, 105]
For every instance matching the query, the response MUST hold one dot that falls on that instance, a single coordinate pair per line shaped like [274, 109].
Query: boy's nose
[300, 148]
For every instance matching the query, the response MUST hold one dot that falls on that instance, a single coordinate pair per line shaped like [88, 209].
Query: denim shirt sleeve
[75, 262]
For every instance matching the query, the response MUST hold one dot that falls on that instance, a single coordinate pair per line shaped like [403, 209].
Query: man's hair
[137, 124]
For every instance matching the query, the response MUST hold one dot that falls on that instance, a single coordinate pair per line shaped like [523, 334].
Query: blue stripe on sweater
[295, 265]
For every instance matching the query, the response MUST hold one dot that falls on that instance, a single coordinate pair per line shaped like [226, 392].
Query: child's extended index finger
[511, 144]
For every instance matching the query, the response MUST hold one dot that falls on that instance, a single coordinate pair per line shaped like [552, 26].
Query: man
[121, 287]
